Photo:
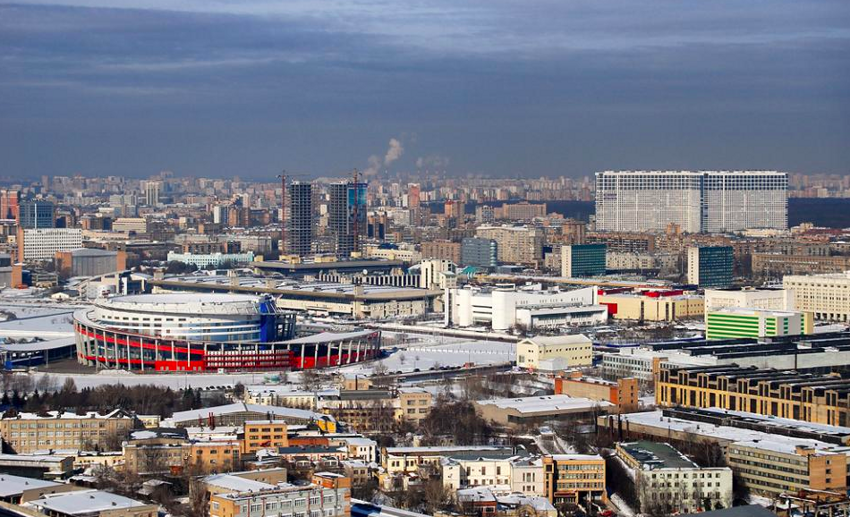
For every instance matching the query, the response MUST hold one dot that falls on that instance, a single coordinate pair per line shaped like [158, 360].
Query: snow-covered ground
[173, 380]
[455, 352]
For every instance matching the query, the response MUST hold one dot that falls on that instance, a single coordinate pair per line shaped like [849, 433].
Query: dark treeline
[143, 400]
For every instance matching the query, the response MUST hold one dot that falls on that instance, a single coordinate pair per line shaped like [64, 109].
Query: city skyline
[99, 87]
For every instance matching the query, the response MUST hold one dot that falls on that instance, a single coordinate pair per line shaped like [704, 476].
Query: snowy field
[173, 381]
[455, 352]
[36, 318]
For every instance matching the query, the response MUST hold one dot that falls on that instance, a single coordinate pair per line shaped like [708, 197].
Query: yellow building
[554, 353]
[574, 478]
[28, 432]
[822, 399]
[649, 307]
[264, 434]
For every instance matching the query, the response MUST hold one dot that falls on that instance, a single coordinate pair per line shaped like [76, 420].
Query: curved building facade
[206, 332]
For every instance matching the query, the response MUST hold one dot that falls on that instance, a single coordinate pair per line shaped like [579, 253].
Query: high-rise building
[579, 260]
[703, 201]
[346, 215]
[479, 252]
[37, 214]
[516, 244]
[299, 219]
[413, 193]
[9, 204]
[710, 266]
[152, 190]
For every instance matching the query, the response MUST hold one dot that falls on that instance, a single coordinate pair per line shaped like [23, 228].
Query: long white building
[532, 307]
[43, 243]
[827, 296]
[696, 201]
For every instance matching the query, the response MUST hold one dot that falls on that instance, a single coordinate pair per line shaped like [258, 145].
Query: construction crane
[355, 230]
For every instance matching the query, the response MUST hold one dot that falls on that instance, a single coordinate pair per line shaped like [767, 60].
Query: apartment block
[29, 432]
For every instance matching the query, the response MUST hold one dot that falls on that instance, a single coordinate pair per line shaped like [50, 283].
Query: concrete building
[524, 211]
[43, 244]
[29, 432]
[710, 266]
[401, 460]
[581, 260]
[574, 478]
[776, 265]
[215, 260]
[554, 353]
[703, 201]
[479, 252]
[668, 480]
[733, 322]
[624, 392]
[152, 191]
[826, 296]
[516, 244]
[774, 466]
[441, 250]
[505, 307]
[750, 298]
[130, 224]
[90, 262]
[17, 489]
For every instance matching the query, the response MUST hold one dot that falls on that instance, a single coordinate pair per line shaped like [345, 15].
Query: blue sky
[496, 87]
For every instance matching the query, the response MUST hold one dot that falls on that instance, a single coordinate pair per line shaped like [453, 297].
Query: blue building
[711, 266]
[37, 214]
[580, 260]
[479, 252]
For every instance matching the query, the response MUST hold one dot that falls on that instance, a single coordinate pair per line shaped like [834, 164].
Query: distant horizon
[503, 88]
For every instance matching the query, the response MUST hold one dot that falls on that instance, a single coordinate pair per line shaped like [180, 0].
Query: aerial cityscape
[425, 259]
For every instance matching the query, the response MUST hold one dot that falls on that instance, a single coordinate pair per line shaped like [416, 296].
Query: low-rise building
[17, 489]
[624, 393]
[400, 460]
[264, 434]
[574, 478]
[734, 322]
[30, 432]
[537, 410]
[554, 353]
[750, 298]
[653, 305]
[666, 479]
[285, 499]
[91, 503]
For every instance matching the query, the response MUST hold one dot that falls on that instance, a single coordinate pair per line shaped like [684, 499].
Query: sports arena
[207, 333]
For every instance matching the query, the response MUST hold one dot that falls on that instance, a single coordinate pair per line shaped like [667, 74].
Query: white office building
[42, 244]
[696, 201]
[529, 306]
[827, 296]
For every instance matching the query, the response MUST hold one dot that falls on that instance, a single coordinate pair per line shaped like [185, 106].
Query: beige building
[516, 244]
[92, 503]
[646, 307]
[534, 411]
[413, 405]
[552, 353]
[264, 434]
[667, 480]
[442, 250]
[574, 478]
[624, 392]
[750, 298]
[826, 296]
[29, 432]
[773, 467]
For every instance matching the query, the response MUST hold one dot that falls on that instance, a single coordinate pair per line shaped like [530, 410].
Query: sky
[522, 88]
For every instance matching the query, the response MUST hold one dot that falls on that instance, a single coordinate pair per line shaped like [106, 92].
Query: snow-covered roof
[236, 483]
[448, 449]
[242, 407]
[545, 403]
[53, 415]
[12, 485]
[84, 502]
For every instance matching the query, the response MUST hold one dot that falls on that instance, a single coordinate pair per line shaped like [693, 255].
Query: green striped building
[734, 322]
